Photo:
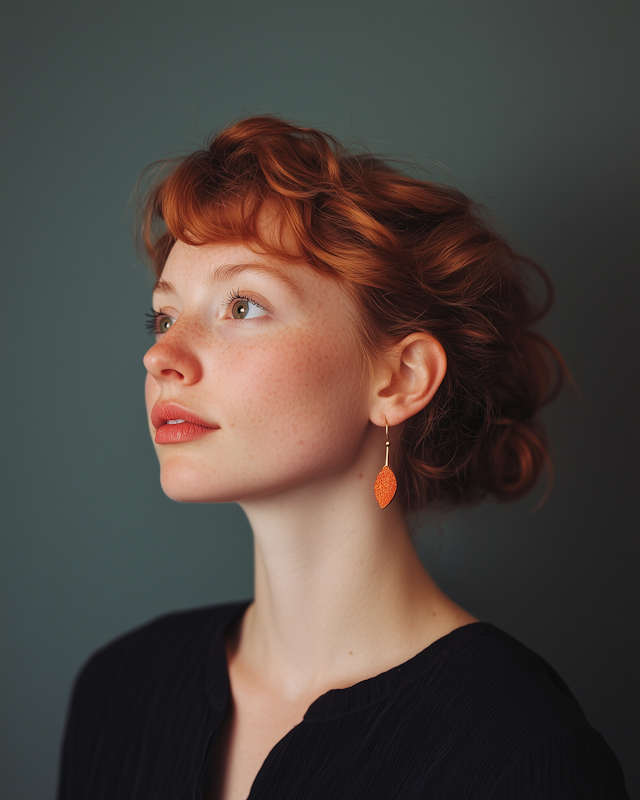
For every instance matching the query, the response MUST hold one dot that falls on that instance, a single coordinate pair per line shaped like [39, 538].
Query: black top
[475, 715]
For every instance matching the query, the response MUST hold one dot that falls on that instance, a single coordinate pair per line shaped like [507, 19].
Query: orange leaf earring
[386, 484]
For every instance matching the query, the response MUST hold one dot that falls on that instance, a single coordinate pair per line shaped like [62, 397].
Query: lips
[175, 424]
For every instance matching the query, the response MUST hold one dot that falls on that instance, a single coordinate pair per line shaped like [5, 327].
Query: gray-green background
[532, 107]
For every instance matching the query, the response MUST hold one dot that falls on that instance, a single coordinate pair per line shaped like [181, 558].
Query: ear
[407, 379]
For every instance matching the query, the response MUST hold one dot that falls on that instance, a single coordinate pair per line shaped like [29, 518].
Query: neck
[340, 594]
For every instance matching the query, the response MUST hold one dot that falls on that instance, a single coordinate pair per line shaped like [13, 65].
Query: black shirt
[475, 715]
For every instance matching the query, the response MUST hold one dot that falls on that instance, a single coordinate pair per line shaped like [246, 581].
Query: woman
[338, 346]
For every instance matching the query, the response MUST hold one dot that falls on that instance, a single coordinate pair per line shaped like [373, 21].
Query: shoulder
[172, 636]
[509, 710]
[501, 688]
[500, 676]
[573, 763]
[173, 641]
[143, 694]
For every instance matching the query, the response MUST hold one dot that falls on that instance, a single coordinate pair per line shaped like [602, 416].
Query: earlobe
[410, 377]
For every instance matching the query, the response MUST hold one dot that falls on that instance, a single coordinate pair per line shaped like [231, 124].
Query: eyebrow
[228, 271]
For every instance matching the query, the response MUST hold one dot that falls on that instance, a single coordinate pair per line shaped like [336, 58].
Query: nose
[173, 359]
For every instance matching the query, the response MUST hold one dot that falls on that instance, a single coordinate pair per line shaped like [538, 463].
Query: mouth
[175, 424]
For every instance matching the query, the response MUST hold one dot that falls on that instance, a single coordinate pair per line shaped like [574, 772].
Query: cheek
[300, 394]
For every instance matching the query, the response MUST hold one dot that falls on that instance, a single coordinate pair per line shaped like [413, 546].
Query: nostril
[172, 373]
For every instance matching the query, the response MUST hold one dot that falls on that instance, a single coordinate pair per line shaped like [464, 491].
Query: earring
[386, 484]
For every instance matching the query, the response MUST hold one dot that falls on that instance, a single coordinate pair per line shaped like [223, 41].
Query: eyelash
[154, 316]
[152, 320]
[236, 295]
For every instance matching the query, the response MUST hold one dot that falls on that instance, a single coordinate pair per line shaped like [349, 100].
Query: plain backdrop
[531, 107]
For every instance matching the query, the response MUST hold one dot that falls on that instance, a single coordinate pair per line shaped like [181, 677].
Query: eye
[243, 307]
[158, 323]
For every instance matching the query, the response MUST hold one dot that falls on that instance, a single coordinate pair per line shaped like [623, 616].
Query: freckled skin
[285, 387]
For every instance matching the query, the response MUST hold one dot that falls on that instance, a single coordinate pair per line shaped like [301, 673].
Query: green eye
[240, 309]
[243, 307]
[158, 323]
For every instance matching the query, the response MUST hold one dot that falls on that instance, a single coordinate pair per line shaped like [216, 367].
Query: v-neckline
[332, 703]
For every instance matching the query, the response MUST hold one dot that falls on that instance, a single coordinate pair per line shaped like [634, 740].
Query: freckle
[433, 613]
[350, 652]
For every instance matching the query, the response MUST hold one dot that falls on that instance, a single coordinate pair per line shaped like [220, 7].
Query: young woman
[338, 346]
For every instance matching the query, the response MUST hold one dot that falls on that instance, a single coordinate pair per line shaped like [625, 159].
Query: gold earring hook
[386, 434]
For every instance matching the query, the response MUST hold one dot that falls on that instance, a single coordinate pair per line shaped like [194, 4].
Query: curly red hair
[414, 256]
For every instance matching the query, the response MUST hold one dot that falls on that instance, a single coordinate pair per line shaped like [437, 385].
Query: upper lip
[163, 412]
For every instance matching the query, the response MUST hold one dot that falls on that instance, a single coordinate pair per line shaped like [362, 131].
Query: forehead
[197, 262]
[193, 268]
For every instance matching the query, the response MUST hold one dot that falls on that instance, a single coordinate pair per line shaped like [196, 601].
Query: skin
[340, 594]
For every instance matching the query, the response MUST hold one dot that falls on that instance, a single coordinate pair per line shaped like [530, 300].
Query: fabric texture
[475, 715]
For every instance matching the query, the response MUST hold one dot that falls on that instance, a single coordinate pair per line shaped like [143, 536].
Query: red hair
[415, 256]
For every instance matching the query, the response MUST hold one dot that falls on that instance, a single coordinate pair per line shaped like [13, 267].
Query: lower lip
[181, 432]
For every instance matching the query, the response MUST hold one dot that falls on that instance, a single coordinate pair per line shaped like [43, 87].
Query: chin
[186, 484]
[187, 481]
